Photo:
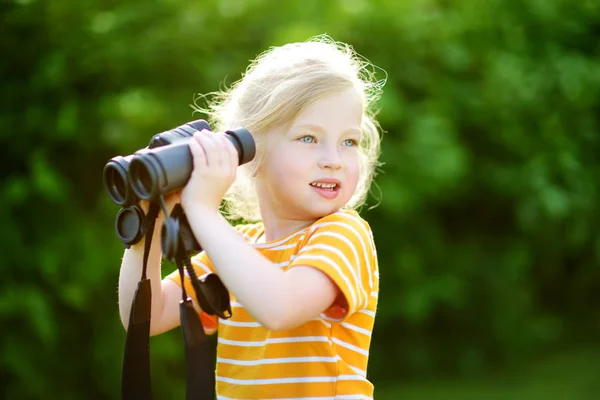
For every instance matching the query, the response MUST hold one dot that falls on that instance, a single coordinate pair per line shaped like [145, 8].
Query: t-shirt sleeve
[340, 246]
[202, 267]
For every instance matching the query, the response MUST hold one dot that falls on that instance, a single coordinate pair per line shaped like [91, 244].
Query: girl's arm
[165, 294]
[277, 299]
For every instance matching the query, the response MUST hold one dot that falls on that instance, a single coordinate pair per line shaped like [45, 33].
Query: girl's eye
[350, 142]
[307, 139]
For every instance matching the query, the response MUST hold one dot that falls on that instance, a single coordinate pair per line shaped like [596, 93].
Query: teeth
[324, 185]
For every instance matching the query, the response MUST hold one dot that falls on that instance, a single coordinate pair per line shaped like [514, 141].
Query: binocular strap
[136, 361]
[198, 357]
[135, 378]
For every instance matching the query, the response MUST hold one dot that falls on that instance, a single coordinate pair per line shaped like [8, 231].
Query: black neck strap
[135, 379]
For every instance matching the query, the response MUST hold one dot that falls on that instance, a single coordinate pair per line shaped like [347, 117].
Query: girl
[303, 277]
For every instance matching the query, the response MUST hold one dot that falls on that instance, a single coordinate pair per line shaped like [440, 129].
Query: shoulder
[342, 221]
[343, 225]
[341, 244]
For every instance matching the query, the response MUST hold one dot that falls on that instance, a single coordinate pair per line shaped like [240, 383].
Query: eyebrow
[357, 131]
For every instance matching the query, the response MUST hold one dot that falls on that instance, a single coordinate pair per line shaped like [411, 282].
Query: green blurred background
[487, 223]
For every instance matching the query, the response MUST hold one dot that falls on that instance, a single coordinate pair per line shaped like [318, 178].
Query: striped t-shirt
[322, 359]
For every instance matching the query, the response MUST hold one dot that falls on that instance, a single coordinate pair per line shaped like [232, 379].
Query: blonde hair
[278, 85]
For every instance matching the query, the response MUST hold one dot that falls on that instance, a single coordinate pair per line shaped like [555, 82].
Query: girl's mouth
[328, 190]
[325, 186]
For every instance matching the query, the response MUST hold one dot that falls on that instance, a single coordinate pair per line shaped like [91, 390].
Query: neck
[276, 227]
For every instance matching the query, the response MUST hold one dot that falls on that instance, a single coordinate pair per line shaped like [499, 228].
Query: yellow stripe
[276, 350]
[294, 390]
[281, 370]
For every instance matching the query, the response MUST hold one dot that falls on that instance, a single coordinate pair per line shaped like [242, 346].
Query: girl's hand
[170, 201]
[215, 166]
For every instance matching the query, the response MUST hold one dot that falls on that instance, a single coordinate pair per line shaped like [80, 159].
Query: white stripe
[276, 380]
[350, 347]
[282, 264]
[246, 237]
[351, 378]
[298, 339]
[358, 371]
[374, 294]
[326, 318]
[335, 267]
[241, 324]
[282, 247]
[355, 369]
[236, 304]
[285, 360]
[302, 379]
[368, 312]
[327, 324]
[201, 265]
[351, 268]
[277, 243]
[356, 329]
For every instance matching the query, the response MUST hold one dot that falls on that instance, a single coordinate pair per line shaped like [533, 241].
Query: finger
[206, 140]
[198, 153]
[203, 139]
[221, 139]
[233, 157]
[220, 151]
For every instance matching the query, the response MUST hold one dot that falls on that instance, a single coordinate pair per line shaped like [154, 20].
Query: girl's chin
[310, 207]
[320, 212]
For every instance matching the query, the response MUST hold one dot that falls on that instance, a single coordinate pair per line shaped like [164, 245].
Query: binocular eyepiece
[165, 165]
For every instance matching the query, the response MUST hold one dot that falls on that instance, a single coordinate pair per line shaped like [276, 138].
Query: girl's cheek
[351, 158]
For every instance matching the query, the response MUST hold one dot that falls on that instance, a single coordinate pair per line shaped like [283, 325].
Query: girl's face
[311, 169]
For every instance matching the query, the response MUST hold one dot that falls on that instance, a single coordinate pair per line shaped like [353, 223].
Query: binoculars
[163, 167]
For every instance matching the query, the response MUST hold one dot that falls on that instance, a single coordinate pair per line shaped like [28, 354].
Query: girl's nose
[330, 159]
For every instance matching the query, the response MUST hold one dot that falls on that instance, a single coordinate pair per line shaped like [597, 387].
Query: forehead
[338, 111]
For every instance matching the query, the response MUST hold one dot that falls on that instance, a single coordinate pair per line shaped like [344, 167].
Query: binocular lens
[142, 179]
[118, 186]
[115, 181]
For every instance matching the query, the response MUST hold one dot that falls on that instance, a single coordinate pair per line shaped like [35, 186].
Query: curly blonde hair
[278, 85]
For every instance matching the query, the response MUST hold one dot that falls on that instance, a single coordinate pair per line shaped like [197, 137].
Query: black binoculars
[163, 167]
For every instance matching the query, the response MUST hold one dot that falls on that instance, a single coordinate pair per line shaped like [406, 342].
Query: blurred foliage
[487, 229]
[571, 375]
